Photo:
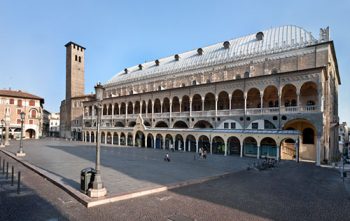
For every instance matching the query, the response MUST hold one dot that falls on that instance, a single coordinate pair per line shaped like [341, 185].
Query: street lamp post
[20, 153]
[98, 189]
[2, 133]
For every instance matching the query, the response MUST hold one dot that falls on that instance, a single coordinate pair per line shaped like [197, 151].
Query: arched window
[246, 74]
[310, 103]
[194, 82]
[33, 113]
[308, 136]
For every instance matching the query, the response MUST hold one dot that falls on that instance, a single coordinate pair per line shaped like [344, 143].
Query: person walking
[167, 157]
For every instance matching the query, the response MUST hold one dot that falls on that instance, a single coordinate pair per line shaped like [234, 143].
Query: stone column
[112, 110]
[190, 106]
[245, 103]
[112, 138]
[197, 141]
[225, 148]
[126, 111]
[133, 108]
[203, 99]
[298, 100]
[318, 150]
[146, 109]
[180, 104]
[261, 101]
[161, 107]
[278, 152]
[241, 153]
[164, 143]
[118, 139]
[119, 109]
[90, 137]
[230, 103]
[216, 106]
[170, 111]
[188, 146]
[154, 142]
[258, 154]
[211, 147]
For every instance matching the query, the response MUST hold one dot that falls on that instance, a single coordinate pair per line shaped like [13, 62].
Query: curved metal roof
[274, 40]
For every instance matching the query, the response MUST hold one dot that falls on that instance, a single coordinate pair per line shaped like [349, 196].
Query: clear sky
[121, 34]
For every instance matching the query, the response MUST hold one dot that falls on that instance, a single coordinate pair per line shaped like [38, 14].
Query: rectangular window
[255, 125]
[18, 111]
[12, 101]
[31, 103]
[19, 103]
[226, 125]
[233, 125]
[30, 121]
[18, 121]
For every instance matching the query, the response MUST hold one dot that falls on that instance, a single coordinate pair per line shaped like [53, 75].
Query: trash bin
[86, 178]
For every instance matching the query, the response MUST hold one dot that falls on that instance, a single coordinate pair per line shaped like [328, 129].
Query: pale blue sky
[119, 34]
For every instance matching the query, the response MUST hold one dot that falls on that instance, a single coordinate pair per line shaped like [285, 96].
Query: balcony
[220, 113]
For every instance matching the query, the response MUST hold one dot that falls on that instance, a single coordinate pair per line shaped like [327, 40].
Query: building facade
[54, 125]
[263, 94]
[12, 103]
[71, 109]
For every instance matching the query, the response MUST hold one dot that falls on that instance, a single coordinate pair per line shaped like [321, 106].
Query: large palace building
[273, 94]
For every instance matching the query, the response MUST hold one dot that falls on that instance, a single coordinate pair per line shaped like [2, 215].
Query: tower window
[76, 57]
[79, 59]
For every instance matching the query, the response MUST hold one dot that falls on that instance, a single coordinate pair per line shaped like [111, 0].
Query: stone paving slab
[126, 171]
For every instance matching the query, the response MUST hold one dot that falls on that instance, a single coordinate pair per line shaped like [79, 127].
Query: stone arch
[116, 109]
[289, 96]
[307, 150]
[130, 139]
[268, 148]
[237, 100]
[233, 146]
[137, 107]
[131, 123]
[115, 138]
[203, 124]
[250, 147]
[119, 124]
[175, 104]
[168, 141]
[253, 98]
[223, 101]
[287, 147]
[122, 139]
[159, 141]
[140, 139]
[162, 124]
[87, 136]
[218, 145]
[122, 108]
[179, 142]
[109, 112]
[149, 106]
[157, 106]
[196, 103]
[209, 101]
[144, 107]
[270, 98]
[30, 133]
[150, 141]
[130, 108]
[308, 94]
[92, 137]
[103, 137]
[185, 103]
[166, 105]
[191, 143]
[104, 109]
[180, 124]
[109, 138]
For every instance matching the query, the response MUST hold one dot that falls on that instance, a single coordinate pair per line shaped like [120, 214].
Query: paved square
[124, 169]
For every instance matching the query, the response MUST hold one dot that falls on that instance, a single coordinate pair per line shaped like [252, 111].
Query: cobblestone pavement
[290, 192]
[124, 169]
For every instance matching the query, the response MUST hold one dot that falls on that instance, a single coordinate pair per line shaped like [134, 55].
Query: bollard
[7, 170]
[19, 183]
[12, 175]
